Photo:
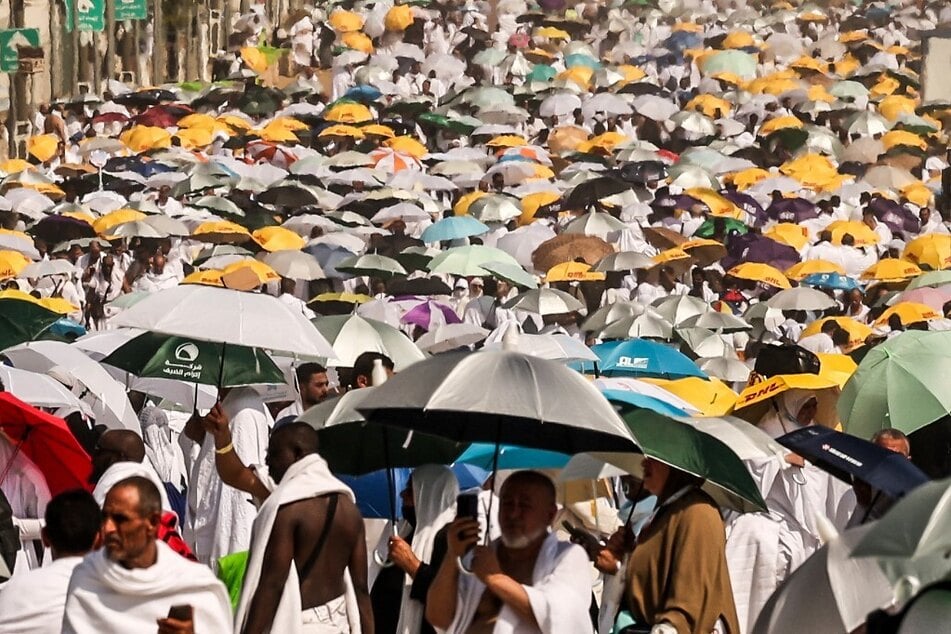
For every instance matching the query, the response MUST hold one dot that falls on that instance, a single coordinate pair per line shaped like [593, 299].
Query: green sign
[10, 41]
[131, 9]
[91, 15]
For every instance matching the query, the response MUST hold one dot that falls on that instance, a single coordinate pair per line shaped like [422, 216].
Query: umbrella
[835, 281]
[511, 457]
[711, 397]
[908, 313]
[294, 265]
[930, 279]
[451, 336]
[725, 368]
[759, 272]
[23, 320]
[453, 228]
[642, 358]
[352, 335]
[495, 208]
[800, 298]
[41, 390]
[646, 324]
[545, 301]
[847, 457]
[429, 315]
[623, 261]
[372, 265]
[899, 384]
[715, 320]
[570, 248]
[555, 347]
[596, 224]
[467, 261]
[589, 192]
[47, 441]
[228, 316]
[512, 273]
[151, 355]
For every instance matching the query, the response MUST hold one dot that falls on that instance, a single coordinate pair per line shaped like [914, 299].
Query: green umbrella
[22, 321]
[731, 61]
[372, 265]
[686, 447]
[153, 355]
[511, 273]
[931, 278]
[442, 121]
[541, 73]
[901, 383]
[706, 229]
[468, 260]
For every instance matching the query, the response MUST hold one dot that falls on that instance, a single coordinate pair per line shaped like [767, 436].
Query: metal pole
[160, 42]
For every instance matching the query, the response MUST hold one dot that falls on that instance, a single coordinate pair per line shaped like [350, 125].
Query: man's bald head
[115, 445]
[289, 443]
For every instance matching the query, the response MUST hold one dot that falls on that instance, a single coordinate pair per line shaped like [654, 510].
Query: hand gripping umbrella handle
[462, 567]
[380, 559]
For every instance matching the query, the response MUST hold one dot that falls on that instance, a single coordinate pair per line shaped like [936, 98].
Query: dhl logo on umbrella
[761, 393]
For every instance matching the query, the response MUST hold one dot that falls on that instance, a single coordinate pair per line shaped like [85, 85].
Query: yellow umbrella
[578, 75]
[399, 18]
[885, 86]
[607, 141]
[58, 305]
[11, 263]
[18, 295]
[858, 332]
[789, 233]
[378, 129]
[903, 137]
[117, 217]
[507, 140]
[234, 122]
[342, 130]
[712, 397]
[358, 42]
[198, 120]
[709, 105]
[690, 27]
[738, 39]
[908, 313]
[346, 298]
[631, 73]
[221, 231]
[719, 205]
[837, 367]
[932, 250]
[211, 277]
[809, 63]
[254, 58]
[800, 271]
[12, 166]
[846, 66]
[773, 85]
[818, 92]
[573, 272]
[759, 272]
[862, 233]
[779, 123]
[278, 239]
[44, 146]
[812, 16]
[730, 78]
[407, 145]
[853, 36]
[461, 207]
[552, 33]
[277, 134]
[754, 401]
[891, 270]
[349, 113]
[143, 137]
[192, 138]
[289, 123]
[248, 274]
[533, 202]
[86, 217]
[918, 193]
[345, 21]
[566, 138]
[745, 179]
[703, 250]
[814, 171]
[894, 106]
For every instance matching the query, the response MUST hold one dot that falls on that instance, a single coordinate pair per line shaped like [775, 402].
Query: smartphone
[180, 612]
[467, 505]
[583, 538]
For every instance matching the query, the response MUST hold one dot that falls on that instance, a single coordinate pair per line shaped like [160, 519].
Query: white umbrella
[553, 346]
[521, 243]
[40, 390]
[447, 337]
[609, 314]
[714, 320]
[705, 343]
[46, 268]
[678, 308]
[800, 298]
[646, 324]
[645, 389]
[352, 335]
[295, 265]
[654, 107]
[91, 383]
[607, 103]
[559, 105]
[227, 316]
[545, 301]
[725, 368]
[596, 223]
[624, 261]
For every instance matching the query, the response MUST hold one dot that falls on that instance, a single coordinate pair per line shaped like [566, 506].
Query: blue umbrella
[847, 457]
[512, 457]
[643, 401]
[640, 357]
[364, 93]
[66, 327]
[831, 280]
[371, 491]
[580, 59]
[329, 256]
[453, 228]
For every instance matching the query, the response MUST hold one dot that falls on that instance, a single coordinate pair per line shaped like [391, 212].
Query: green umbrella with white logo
[153, 355]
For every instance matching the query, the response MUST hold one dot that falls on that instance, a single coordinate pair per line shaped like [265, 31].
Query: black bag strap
[331, 511]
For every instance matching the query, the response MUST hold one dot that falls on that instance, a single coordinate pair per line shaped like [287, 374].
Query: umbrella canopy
[453, 228]
[643, 358]
[545, 301]
[521, 400]
[229, 316]
[352, 335]
[800, 298]
[451, 336]
[759, 272]
[372, 265]
[467, 261]
[47, 441]
[295, 265]
[23, 320]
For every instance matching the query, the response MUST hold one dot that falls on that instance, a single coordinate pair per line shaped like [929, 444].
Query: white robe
[33, 603]
[308, 477]
[218, 517]
[28, 494]
[559, 595]
[122, 470]
[104, 596]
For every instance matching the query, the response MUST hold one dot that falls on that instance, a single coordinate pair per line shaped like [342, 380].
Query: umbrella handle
[462, 567]
[380, 560]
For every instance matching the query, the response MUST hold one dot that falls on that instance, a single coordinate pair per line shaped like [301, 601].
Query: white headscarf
[782, 416]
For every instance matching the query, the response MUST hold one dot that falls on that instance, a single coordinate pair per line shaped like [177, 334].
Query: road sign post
[10, 42]
[131, 9]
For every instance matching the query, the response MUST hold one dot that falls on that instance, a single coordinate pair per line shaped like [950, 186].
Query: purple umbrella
[551, 5]
[793, 210]
[429, 314]
[895, 216]
[756, 248]
[747, 203]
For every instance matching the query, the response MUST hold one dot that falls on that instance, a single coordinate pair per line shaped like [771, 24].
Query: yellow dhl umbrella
[461, 207]
[738, 39]
[779, 123]
[346, 298]
[712, 397]
[810, 63]
[48, 189]
[745, 179]
[846, 66]
[141, 138]
[358, 42]
[407, 145]
[908, 313]
[117, 217]
[399, 18]
[342, 130]
[211, 277]
[773, 85]
[578, 75]
[552, 33]
[12, 166]
[247, 274]
[192, 138]
[345, 21]
[630, 72]
[754, 401]
[703, 250]
[16, 294]
[932, 250]
[58, 305]
[858, 332]
[607, 141]
[837, 367]
[884, 87]
[221, 231]
[893, 107]
[507, 140]
[891, 270]
[709, 105]
[853, 36]
[198, 120]
[812, 16]
[759, 272]
[11, 263]
[862, 233]
[573, 272]
[818, 92]
[378, 129]
[918, 193]
[718, 204]
[903, 137]
[278, 239]
[277, 134]
[234, 122]
[84, 216]
[349, 113]
[254, 58]
[671, 255]
[43, 146]
[789, 233]
[800, 271]
[729, 78]
[289, 123]
[814, 171]
[533, 202]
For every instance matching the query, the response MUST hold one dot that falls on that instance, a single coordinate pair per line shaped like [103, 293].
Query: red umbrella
[164, 116]
[110, 117]
[47, 441]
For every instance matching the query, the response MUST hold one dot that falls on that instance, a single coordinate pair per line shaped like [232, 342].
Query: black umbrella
[589, 192]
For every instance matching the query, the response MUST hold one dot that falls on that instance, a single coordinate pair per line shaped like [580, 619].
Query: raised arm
[231, 470]
[443, 593]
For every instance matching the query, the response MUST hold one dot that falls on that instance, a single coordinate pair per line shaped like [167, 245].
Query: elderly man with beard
[526, 582]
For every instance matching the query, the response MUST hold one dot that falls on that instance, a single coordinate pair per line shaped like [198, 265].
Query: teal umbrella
[541, 73]
[579, 59]
[731, 61]
[154, 355]
[22, 321]
[482, 455]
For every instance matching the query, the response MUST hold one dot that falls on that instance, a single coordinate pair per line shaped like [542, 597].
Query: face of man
[924, 215]
[655, 476]
[526, 510]
[280, 456]
[315, 390]
[127, 536]
[898, 445]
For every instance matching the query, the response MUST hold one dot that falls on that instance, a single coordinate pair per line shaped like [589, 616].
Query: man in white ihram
[527, 582]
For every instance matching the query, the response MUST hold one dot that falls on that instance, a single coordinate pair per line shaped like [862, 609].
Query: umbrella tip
[510, 338]
[378, 376]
